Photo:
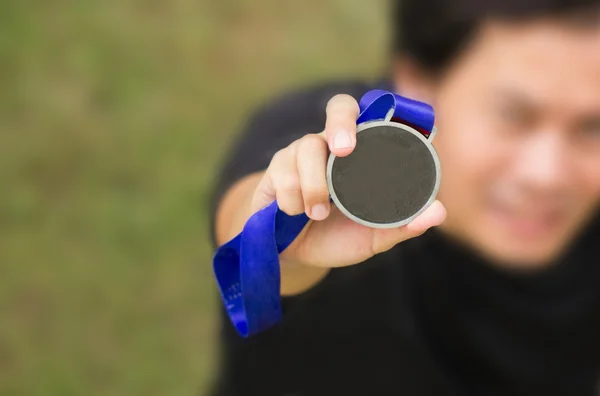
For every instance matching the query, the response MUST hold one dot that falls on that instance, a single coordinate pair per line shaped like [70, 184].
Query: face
[518, 116]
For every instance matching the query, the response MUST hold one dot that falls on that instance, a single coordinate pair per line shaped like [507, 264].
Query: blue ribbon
[247, 267]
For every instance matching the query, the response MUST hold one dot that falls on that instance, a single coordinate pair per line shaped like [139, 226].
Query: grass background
[113, 116]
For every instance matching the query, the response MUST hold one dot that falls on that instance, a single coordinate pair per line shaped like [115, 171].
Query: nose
[541, 161]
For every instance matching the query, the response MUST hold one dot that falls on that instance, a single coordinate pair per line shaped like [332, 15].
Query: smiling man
[502, 295]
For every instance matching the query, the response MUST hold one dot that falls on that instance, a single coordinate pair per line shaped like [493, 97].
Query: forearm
[233, 212]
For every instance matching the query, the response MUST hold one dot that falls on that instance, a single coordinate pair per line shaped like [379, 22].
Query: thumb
[385, 239]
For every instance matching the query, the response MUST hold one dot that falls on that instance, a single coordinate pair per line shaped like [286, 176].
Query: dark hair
[432, 32]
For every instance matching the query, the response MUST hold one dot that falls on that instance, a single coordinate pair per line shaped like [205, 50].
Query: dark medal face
[391, 176]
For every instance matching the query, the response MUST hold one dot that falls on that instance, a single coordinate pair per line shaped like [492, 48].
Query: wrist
[297, 278]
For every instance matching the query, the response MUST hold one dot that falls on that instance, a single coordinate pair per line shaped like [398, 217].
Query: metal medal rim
[427, 142]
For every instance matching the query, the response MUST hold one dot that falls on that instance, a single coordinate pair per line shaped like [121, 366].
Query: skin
[519, 116]
[519, 145]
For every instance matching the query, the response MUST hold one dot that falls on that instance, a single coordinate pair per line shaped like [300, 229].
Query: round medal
[392, 175]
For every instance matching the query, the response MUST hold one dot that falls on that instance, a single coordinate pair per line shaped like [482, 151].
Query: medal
[391, 176]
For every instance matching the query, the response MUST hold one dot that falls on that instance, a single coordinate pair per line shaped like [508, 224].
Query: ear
[413, 81]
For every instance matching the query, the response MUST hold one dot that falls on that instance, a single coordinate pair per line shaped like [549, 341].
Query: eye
[516, 115]
[591, 129]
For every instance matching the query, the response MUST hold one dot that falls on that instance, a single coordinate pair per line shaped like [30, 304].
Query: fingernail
[342, 140]
[318, 212]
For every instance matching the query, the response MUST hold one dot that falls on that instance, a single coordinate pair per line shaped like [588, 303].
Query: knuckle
[312, 143]
[315, 191]
[315, 186]
[290, 206]
[278, 156]
[289, 184]
[417, 234]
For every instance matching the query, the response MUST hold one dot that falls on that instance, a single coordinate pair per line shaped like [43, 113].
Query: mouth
[528, 221]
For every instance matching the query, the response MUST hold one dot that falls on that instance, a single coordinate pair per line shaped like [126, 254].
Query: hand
[296, 178]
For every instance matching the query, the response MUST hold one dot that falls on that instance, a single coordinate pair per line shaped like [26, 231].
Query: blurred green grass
[113, 116]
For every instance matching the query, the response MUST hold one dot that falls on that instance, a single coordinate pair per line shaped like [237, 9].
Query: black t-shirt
[427, 317]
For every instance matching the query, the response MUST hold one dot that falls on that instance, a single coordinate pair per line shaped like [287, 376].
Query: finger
[284, 177]
[433, 216]
[311, 161]
[340, 127]
[385, 239]
[264, 194]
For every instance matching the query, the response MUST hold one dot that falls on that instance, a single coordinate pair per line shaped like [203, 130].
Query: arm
[232, 213]
[296, 178]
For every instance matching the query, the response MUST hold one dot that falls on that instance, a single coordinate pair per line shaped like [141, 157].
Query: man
[503, 296]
